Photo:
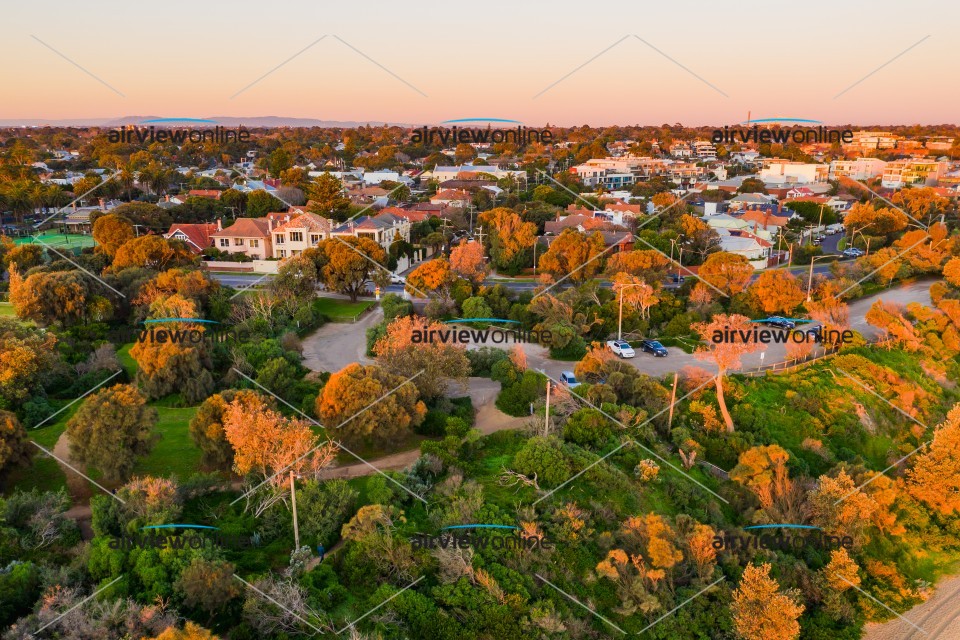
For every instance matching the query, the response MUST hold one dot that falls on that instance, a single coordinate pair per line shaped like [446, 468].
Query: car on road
[395, 279]
[778, 322]
[851, 252]
[621, 348]
[654, 347]
[677, 279]
[567, 378]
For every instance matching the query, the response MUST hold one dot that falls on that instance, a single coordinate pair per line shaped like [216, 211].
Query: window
[296, 236]
[254, 243]
[280, 238]
[224, 242]
[238, 242]
[283, 253]
[314, 238]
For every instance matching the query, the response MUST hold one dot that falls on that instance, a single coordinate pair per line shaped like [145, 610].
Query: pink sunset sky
[693, 62]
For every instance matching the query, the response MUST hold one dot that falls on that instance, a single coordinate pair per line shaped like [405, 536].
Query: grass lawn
[175, 452]
[6, 310]
[337, 310]
[126, 360]
[45, 473]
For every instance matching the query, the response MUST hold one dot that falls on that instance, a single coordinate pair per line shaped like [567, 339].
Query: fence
[790, 365]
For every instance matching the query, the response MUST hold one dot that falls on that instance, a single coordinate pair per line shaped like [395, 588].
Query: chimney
[103, 206]
[269, 223]
[219, 224]
[287, 218]
[166, 198]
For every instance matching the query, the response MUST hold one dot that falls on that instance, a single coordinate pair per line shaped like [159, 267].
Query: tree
[111, 429]
[467, 261]
[863, 217]
[346, 405]
[510, 237]
[190, 631]
[15, 449]
[326, 195]
[208, 585]
[763, 470]
[27, 356]
[728, 272]
[296, 279]
[632, 291]
[840, 507]
[430, 276]
[24, 257]
[752, 185]
[110, 233]
[152, 252]
[206, 426]
[647, 264]
[435, 362]
[192, 284]
[777, 291]
[347, 264]
[934, 478]
[726, 353]
[761, 611]
[464, 153]
[48, 297]
[573, 254]
[260, 203]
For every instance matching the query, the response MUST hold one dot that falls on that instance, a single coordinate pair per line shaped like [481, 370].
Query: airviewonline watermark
[480, 135]
[211, 331]
[806, 537]
[492, 536]
[178, 134]
[193, 537]
[494, 335]
[767, 336]
[783, 134]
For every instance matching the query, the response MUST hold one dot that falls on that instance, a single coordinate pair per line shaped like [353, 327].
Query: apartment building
[901, 173]
[857, 169]
[866, 140]
[250, 236]
[779, 171]
[704, 150]
[299, 234]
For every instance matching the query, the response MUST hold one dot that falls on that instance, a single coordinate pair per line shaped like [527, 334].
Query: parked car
[395, 279]
[778, 322]
[677, 279]
[621, 348]
[569, 379]
[654, 347]
[852, 252]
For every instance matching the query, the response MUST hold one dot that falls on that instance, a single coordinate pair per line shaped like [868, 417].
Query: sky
[560, 62]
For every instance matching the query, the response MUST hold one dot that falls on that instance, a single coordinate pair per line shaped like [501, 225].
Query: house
[777, 171]
[901, 173]
[750, 200]
[197, 236]
[746, 244]
[765, 220]
[799, 192]
[857, 169]
[451, 198]
[212, 194]
[303, 232]
[250, 236]
[382, 228]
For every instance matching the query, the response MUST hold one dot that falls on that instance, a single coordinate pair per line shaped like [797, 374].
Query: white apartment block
[901, 173]
[785, 171]
[865, 140]
[857, 169]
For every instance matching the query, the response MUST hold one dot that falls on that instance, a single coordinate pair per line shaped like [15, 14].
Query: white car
[621, 348]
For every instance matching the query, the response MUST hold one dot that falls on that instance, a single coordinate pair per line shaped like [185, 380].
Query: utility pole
[673, 399]
[296, 526]
[480, 235]
[546, 417]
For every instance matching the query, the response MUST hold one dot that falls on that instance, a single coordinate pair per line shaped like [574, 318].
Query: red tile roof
[199, 236]
[246, 228]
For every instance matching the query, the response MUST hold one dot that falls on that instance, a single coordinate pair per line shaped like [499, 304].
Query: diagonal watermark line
[77, 471]
[877, 395]
[578, 68]
[689, 272]
[380, 65]
[81, 603]
[682, 604]
[278, 66]
[648, 450]
[881, 66]
[572, 599]
[317, 629]
[50, 248]
[64, 408]
[244, 289]
[380, 605]
[895, 464]
[322, 427]
[681, 66]
[377, 264]
[77, 66]
[77, 199]
[908, 249]
[576, 195]
[880, 603]
[863, 186]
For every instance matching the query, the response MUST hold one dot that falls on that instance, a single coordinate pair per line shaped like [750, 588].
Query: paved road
[938, 617]
[334, 346]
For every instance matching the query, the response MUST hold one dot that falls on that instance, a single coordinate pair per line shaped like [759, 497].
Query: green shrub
[483, 359]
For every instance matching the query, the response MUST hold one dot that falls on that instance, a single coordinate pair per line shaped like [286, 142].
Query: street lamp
[810, 279]
[862, 235]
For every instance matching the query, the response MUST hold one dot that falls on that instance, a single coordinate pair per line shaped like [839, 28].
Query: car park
[654, 347]
[621, 348]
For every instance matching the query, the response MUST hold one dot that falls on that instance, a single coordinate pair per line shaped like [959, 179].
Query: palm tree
[17, 197]
[127, 178]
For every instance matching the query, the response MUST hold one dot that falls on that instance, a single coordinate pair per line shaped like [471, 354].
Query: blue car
[654, 347]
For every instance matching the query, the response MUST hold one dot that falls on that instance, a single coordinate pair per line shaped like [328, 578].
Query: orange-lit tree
[727, 352]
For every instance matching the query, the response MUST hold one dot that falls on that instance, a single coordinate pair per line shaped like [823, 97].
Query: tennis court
[59, 240]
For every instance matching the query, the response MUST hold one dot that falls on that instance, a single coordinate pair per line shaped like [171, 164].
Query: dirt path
[78, 487]
[938, 617]
[337, 344]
